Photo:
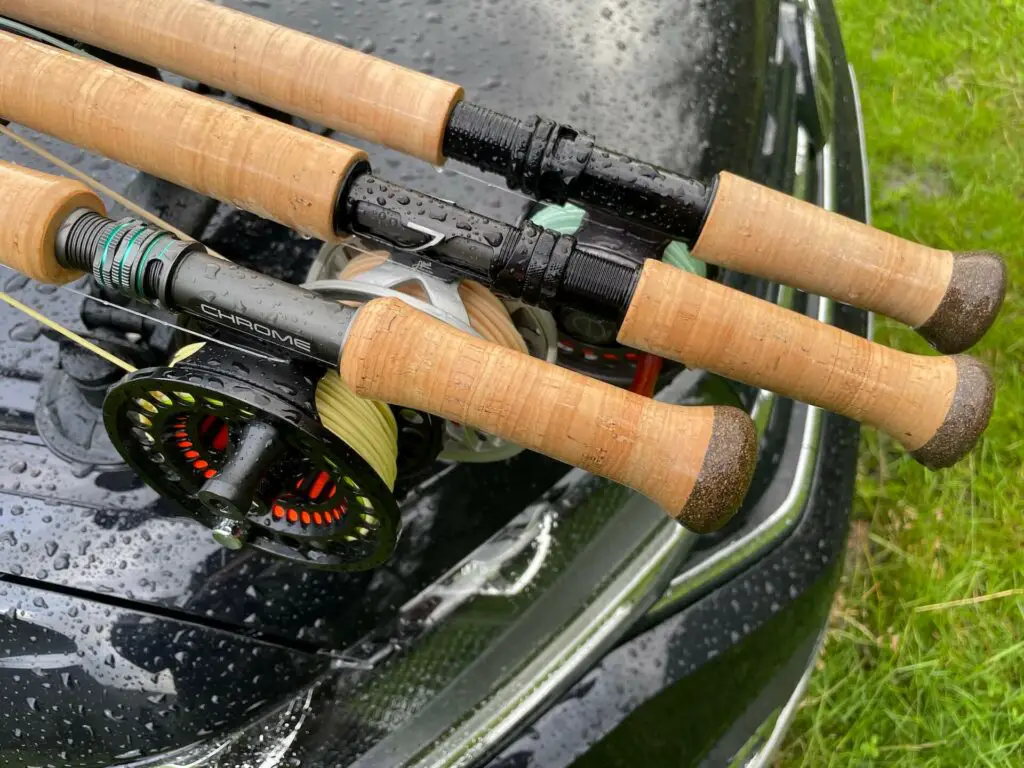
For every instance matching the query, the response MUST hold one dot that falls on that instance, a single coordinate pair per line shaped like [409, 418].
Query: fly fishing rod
[696, 462]
[936, 407]
[951, 298]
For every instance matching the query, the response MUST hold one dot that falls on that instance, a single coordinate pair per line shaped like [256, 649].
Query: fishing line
[492, 185]
[98, 186]
[369, 427]
[487, 314]
[168, 324]
[75, 337]
[67, 332]
[10, 25]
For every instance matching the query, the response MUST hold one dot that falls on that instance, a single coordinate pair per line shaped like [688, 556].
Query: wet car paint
[85, 683]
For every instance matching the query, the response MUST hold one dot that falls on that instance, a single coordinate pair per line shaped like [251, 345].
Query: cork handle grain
[695, 462]
[33, 205]
[349, 91]
[936, 407]
[274, 170]
[951, 298]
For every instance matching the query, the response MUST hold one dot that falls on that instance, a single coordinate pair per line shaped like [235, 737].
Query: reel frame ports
[251, 461]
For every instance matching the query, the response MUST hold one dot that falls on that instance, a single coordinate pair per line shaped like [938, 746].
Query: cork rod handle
[936, 407]
[276, 171]
[32, 207]
[951, 298]
[352, 92]
[695, 462]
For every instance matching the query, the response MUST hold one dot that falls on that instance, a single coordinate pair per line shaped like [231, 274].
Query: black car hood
[680, 83]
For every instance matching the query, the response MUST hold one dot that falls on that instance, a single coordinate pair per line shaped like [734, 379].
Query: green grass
[909, 676]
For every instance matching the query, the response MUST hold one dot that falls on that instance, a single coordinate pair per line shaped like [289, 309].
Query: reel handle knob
[937, 407]
[33, 205]
[950, 298]
[232, 490]
[695, 462]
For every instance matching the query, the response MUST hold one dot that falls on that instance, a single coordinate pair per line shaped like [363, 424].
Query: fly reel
[267, 454]
[350, 272]
[282, 456]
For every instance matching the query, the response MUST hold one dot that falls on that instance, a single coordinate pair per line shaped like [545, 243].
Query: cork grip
[935, 406]
[252, 162]
[695, 462]
[300, 74]
[950, 298]
[32, 207]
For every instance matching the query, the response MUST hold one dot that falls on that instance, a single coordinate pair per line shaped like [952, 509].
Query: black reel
[234, 441]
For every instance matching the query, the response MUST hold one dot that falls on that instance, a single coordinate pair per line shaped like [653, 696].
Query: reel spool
[349, 272]
[237, 443]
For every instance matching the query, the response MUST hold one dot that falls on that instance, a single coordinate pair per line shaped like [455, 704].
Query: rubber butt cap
[972, 301]
[967, 417]
[725, 474]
